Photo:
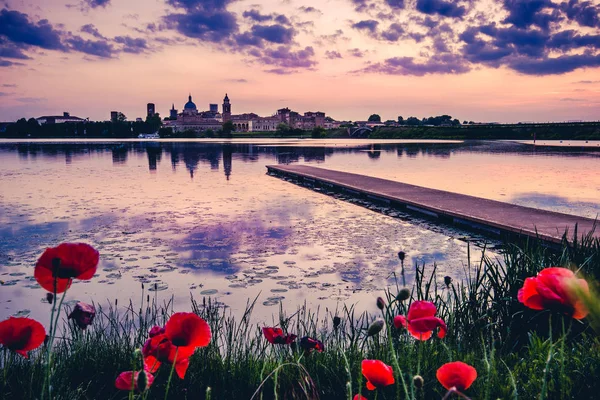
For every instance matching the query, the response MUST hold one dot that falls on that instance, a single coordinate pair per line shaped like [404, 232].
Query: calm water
[203, 218]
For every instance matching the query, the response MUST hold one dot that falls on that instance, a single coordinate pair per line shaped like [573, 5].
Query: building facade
[59, 119]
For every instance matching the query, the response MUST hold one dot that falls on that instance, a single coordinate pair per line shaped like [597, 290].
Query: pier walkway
[471, 212]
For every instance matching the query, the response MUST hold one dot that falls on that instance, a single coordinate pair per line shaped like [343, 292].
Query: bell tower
[226, 109]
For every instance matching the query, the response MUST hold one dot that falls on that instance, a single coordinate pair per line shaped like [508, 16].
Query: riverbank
[518, 352]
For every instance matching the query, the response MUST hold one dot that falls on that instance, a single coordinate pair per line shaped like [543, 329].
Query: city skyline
[482, 60]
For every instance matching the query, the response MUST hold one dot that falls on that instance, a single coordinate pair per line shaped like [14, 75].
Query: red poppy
[187, 330]
[457, 375]
[123, 381]
[421, 321]
[58, 266]
[156, 330]
[553, 288]
[309, 344]
[359, 397]
[276, 336]
[83, 314]
[159, 349]
[378, 374]
[21, 334]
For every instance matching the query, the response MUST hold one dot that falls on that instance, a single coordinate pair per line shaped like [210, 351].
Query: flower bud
[142, 380]
[49, 297]
[418, 381]
[403, 294]
[380, 303]
[401, 255]
[375, 327]
[336, 321]
[447, 280]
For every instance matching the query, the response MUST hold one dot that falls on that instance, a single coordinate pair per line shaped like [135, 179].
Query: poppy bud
[83, 314]
[401, 255]
[418, 381]
[142, 381]
[403, 294]
[49, 297]
[380, 303]
[447, 280]
[336, 321]
[375, 327]
[208, 393]
[142, 285]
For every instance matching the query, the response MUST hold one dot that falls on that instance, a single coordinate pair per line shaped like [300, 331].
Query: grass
[518, 352]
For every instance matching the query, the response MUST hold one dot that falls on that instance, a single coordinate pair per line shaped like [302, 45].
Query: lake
[202, 218]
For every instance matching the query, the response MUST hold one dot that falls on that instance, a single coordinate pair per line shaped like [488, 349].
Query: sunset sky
[481, 60]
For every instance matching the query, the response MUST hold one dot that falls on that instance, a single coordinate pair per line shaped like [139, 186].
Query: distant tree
[465, 122]
[283, 129]
[33, 127]
[318, 132]
[412, 121]
[210, 133]
[228, 127]
[374, 118]
[455, 122]
[165, 132]
[400, 120]
[154, 122]
[389, 122]
[121, 117]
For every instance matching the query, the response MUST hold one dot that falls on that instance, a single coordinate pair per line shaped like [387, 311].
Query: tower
[151, 109]
[226, 109]
[173, 113]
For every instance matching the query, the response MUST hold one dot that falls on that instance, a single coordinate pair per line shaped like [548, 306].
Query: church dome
[190, 104]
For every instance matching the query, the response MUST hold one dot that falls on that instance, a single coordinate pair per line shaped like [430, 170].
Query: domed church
[190, 107]
[192, 119]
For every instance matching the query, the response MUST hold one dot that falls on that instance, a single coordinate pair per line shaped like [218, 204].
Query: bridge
[360, 132]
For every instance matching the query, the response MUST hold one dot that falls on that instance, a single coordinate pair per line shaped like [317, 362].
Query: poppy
[276, 336]
[159, 349]
[421, 321]
[457, 375]
[83, 314]
[156, 330]
[58, 266]
[380, 303]
[309, 344]
[187, 330]
[21, 335]
[359, 397]
[553, 288]
[378, 374]
[123, 381]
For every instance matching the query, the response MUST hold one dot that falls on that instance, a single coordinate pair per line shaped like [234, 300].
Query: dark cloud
[96, 3]
[239, 80]
[280, 71]
[6, 63]
[204, 5]
[584, 12]
[310, 10]
[282, 19]
[393, 32]
[17, 28]
[334, 37]
[587, 82]
[10, 85]
[247, 39]
[437, 64]
[441, 7]
[332, 54]
[358, 53]
[285, 57]
[132, 45]
[212, 27]
[395, 3]
[91, 29]
[11, 50]
[255, 15]
[369, 25]
[554, 66]
[524, 13]
[99, 48]
[274, 33]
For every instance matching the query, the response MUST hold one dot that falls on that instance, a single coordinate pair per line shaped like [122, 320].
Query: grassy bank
[518, 352]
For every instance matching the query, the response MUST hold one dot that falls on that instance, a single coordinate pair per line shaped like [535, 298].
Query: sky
[476, 60]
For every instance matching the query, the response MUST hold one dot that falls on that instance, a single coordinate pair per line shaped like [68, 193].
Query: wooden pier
[471, 212]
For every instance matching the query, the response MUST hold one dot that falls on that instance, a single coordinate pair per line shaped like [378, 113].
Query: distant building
[214, 108]
[114, 115]
[59, 119]
[173, 113]
[151, 109]
[191, 119]
[226, 109]
[138, 119]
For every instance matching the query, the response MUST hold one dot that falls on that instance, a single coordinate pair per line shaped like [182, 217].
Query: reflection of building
[151, 109]
[58, 119]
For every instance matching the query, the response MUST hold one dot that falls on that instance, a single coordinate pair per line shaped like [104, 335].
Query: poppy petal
[151, 364]
[21, 334]
[181, 367]
[377, 373]
[370, 386]
[456, 374]
[421, 309]
[400, 321]
[271, 334]
[187, 329]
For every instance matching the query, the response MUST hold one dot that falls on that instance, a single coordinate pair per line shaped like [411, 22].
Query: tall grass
[518, 353]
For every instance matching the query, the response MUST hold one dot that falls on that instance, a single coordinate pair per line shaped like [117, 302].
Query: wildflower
[21, 335]
[309, 344]
[182, 334]
[447, 280]
[403, 294]
[553, 288]
[378, 374]
[380, 303]
[359, 397]
[375, 327]
[457, 375]
[123, 381]
[336, 321]
[57, 266]
[83, 314]
[420, 321]
[418, 381]
[276, 336]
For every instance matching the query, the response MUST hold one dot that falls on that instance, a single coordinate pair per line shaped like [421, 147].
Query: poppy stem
[49, 343]
[171, 374]
[396, 365]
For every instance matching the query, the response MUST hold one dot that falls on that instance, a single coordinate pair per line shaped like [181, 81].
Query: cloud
[99, 48]
[571, 99]
[309, 10]
[256, 16]
[10, 50]
[441, 7]
[282, 19]
[554, 66]
[399, 4]
[369, 25]
[332, 54]
[96, 3]
[239, 80]
[17, 28]
[393, 32]
[212, 27]
[587, 82]
[437, 64]
[91, 29]
[585, 13]
[274, 33]
[6, 63]
[132, 45]
[31, 100]
[285, 57]
[9, 85]
[524, 13]
[358, 53]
